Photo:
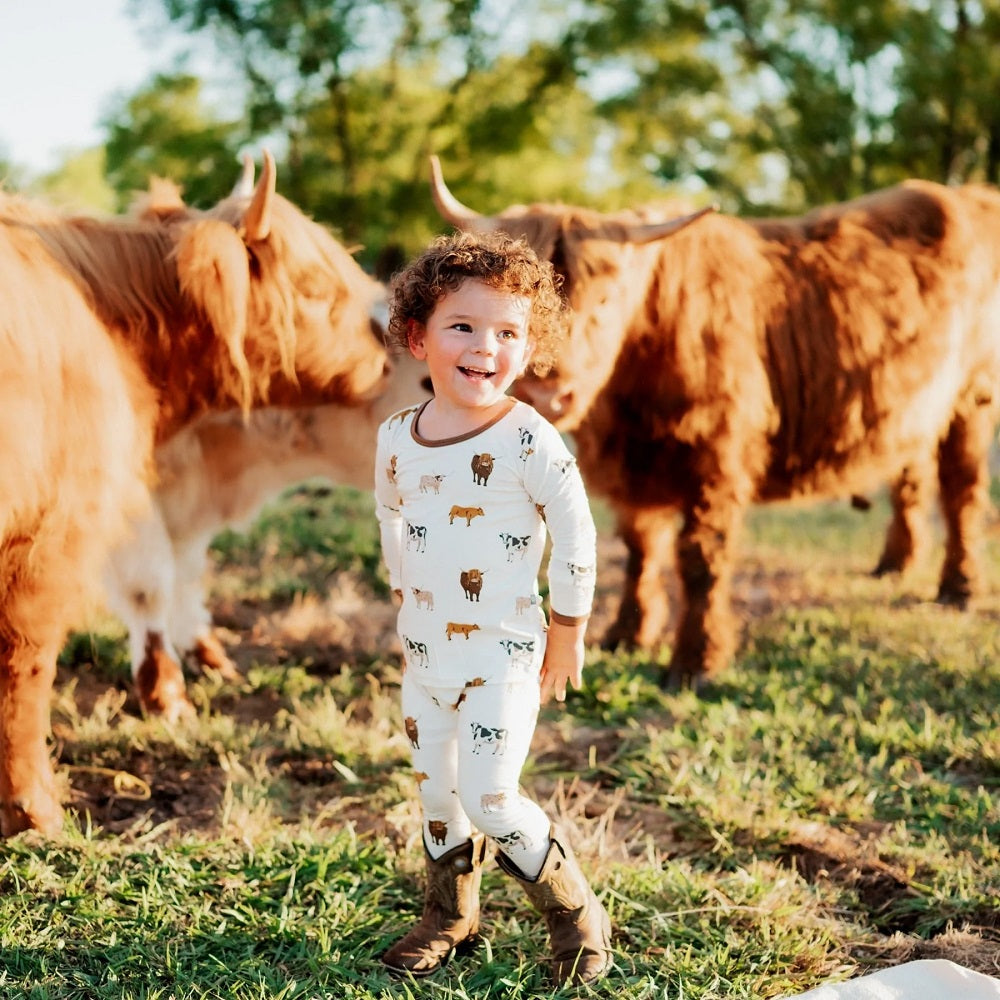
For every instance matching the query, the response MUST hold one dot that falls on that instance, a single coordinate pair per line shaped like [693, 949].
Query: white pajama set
[463, 524]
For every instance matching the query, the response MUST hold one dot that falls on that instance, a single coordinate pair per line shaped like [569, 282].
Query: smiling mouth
[477, 373]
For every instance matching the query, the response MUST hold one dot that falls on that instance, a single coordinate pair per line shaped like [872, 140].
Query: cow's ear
[214, 272]
[161, 202]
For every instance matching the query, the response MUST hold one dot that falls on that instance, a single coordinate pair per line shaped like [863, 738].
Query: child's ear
[528, 355]
[415, 338]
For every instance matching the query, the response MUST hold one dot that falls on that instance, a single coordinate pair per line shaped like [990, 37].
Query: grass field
[828, 807]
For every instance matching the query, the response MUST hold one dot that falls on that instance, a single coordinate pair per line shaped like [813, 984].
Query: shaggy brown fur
[114, 335]
[741, 361]
[219, 472]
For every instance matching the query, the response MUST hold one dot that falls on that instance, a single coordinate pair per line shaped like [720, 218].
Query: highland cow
[715, 362]
[118, 334]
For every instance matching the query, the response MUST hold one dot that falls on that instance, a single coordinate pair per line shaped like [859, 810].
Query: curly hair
[497, 260]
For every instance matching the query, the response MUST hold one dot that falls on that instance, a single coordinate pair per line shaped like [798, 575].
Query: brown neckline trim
[428, 443]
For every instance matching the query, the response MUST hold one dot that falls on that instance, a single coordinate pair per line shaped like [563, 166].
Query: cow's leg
[28, 797]
[140, 581]
[963, 475]
[190, 619]
[906, 537]
[645, 608]
[706, 546]
[35, 608]
[159, 681]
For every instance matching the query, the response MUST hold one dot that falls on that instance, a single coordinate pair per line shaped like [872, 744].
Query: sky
[61, 63]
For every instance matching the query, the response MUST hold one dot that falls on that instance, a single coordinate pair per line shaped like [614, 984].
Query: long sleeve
[388, 507]
[554, 483]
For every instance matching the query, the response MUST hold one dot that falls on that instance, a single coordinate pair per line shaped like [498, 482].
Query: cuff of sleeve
[568, 619]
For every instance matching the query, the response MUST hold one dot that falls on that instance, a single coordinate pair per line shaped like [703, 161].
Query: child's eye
[462, 327]
[508, 335]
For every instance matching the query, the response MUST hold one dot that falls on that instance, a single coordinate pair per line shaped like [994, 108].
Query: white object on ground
[927, 979]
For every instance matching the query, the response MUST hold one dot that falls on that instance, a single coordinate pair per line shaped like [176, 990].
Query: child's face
[475, 344]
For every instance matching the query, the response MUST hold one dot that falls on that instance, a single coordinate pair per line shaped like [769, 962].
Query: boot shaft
[450, 918]
[579, 926]
[453, 880]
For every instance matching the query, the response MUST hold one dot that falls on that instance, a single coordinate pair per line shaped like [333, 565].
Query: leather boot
[451, 911]
[579, 926]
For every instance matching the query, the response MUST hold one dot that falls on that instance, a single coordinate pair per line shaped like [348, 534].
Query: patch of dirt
[973, 948]
[585, 748]
[248, 706]
[979, 951]
[759, 589]
[323, 631]
[849, 858]
[820, 853]
[147, 790]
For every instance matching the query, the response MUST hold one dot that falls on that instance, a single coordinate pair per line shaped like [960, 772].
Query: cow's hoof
[954, 598]
[680, 678]
[40, 812]
[211, 657]
[159, 683]
[171, 711]
[615, 640]
[897, 560]
[167, 701]
[886, 567]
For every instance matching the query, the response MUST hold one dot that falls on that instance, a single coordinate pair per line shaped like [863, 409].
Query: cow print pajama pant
[468, 746]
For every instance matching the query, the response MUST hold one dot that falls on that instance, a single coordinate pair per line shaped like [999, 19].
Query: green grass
[827, 806]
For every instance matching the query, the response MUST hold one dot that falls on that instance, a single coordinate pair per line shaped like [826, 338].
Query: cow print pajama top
[463, 525]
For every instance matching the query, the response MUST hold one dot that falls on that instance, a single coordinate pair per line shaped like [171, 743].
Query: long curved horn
[647, 232]
[257, 221]
[244, 186]
[449, 207]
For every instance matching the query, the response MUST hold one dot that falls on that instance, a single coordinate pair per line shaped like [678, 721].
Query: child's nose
[486, 342]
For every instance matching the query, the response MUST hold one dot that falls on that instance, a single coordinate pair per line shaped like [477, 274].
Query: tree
[355, 94]
[167, 130]
[79, 184]
[948, 118]
[13, 177]
[781, 106]
[772, 107]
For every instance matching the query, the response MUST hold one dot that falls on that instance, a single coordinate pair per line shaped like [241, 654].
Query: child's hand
[563, 662]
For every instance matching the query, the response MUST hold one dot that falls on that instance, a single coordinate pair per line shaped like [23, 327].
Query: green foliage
[768, 107]
[311, 535]
[166, 130]
[79, 184]
[104, 648]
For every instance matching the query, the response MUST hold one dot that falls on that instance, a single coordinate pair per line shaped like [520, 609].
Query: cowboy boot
[451, 911]
[579, 926]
